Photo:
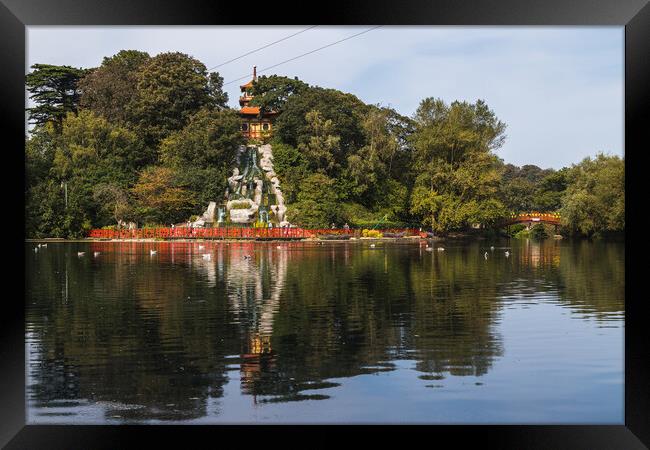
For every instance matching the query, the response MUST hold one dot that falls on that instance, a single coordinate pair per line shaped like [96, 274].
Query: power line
[262, 48]
[304, 54]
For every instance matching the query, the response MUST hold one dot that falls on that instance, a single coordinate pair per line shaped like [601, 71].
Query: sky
[558, 89]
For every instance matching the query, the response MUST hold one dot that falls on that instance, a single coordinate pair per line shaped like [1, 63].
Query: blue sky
[559, 89]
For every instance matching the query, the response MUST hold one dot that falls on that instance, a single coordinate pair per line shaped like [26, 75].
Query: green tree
[219, 98]
[321, 143]
[55, 90]
[272, 92]
[291, 166]
[369, 167]
[548, 196]
[317, 202]
[594, 202]
[458, 175]
[203, 153]
[345, 111]
[95, 150]
[111, 89]
[171, 87]
[71, 165]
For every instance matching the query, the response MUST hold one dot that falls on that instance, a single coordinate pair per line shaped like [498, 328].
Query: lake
[338, 332]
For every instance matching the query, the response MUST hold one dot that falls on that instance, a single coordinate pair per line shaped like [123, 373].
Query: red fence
[200, 233]
[227, 233]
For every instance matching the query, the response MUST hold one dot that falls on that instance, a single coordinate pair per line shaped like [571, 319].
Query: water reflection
[132, 336]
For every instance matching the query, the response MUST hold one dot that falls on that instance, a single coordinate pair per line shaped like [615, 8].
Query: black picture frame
[15, 15]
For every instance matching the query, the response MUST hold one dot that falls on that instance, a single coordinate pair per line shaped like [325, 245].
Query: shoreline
[353, 239]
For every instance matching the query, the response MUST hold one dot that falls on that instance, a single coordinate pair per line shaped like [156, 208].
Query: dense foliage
[151, 140]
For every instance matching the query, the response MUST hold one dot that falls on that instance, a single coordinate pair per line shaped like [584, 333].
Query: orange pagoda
[253, 125]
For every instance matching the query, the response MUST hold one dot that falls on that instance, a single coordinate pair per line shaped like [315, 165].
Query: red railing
[200, 233]
[552, 218]
[229, 233]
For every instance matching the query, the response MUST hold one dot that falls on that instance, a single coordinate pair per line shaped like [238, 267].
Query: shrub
[516, 228]
[371, 233]
[240, 205]
[522, 234]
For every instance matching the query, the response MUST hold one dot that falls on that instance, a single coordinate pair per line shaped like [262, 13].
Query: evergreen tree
[55, 90]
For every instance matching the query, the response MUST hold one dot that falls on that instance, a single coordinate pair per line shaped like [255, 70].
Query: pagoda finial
[254, 72]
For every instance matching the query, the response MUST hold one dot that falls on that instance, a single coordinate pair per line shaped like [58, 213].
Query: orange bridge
[532, 218]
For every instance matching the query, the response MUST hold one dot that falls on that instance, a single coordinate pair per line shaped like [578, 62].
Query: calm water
[338, 332]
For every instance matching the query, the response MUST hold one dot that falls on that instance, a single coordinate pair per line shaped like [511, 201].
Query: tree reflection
[158, 337]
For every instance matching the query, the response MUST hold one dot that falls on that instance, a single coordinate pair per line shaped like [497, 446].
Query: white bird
[207, 256]
[429, 249]
[441, 249]
[492, 248]
[35, 249]
[39, 245]
[153, 252]
[96, 254]
[81, 253]
[507, 253]
[485, 255]
[45, 245]
[372, 245]
[201, 247]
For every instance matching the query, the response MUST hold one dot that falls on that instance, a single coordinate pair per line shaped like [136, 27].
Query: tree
[320, 144]
[272, 92]
[594, 202]
[161, 197]
[171, 87]
[369, 167]
[316, 205]
[548, 196]
[55, 91]
[291, 166]
[454, 162]
[88, 152]
[203, 153]
[211, 138]
[110, 89]
[95, 150]
[113, 201]
[216, 92]
[345, 111]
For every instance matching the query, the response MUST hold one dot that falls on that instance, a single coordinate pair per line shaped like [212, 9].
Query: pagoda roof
[250, 110]
[247, 85]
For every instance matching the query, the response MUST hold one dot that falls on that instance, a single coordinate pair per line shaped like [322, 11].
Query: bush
[522, 234]
[371, 233]
[240, 205]
[517, 228]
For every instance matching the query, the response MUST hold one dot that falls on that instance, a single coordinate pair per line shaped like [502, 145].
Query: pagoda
[254, 125]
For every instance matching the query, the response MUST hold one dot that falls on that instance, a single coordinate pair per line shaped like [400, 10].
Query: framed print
[407, 218]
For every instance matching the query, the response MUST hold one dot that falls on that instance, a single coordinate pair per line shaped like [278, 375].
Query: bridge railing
[552, 218]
